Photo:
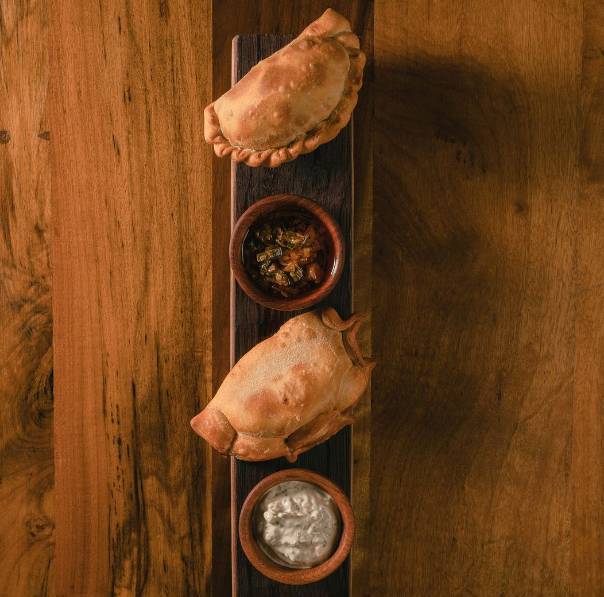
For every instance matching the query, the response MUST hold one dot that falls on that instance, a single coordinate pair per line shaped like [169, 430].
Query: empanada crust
[290, 392]
[293, 101]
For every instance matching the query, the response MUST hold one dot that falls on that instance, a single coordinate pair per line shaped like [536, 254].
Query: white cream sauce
[297, 524]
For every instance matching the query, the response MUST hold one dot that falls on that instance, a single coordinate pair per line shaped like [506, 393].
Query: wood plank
[477, 245]
[132, 296]
[324, 176]
[587, 553]
[230, 18]
[26, 398]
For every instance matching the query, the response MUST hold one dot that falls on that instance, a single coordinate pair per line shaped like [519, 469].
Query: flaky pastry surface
[290, 392]
[293, 101]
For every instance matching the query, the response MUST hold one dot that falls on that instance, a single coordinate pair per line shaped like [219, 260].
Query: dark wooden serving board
[325, 176]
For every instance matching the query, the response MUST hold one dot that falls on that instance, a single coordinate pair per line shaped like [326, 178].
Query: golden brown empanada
[293, 101]
[290, 392]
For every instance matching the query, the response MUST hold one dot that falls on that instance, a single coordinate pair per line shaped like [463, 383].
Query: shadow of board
[454, 172]
[451, 165]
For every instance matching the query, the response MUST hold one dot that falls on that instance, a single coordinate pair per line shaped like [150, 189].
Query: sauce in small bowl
[296, 526]
[286, 252]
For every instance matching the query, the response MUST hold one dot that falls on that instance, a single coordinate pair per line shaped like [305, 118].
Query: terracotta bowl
[283, 574]
[335, 252]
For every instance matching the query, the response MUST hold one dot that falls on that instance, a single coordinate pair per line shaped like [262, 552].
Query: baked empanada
[293, 101]
[290, 392]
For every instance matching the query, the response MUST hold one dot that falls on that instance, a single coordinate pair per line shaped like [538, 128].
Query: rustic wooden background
[488, 273]
[26, 406]
[479, 462]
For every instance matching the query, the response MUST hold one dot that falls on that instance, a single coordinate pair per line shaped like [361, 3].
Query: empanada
[293, 101]
[290, 392]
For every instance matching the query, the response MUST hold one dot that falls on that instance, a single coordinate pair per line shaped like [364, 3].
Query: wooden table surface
[479, 247]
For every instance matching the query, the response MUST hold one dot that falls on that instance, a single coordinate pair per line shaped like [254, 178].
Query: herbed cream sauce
[297, 524]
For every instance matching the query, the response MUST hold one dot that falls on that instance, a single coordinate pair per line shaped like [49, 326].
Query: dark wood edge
[353, 307]
[234, 526]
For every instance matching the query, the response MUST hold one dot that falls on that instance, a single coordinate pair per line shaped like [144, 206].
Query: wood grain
[26, 398]
[487, 259]
[487, 422]
[587, 473]
[325, 176]
[132, 296]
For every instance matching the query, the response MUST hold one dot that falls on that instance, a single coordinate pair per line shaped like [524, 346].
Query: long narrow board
[326, 177]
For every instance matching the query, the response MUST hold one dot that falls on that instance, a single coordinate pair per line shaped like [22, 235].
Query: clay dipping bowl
[283, 574]
[334, 262]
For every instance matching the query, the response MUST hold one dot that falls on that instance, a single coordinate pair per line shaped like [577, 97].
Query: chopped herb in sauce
[285, 254]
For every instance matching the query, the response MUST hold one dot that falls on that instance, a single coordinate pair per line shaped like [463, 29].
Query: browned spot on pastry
[308, 334]
[263, 405]
[318, 72]
[282, 114]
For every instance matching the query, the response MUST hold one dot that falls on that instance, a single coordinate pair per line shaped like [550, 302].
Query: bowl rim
[272, 203]
[282, 574]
